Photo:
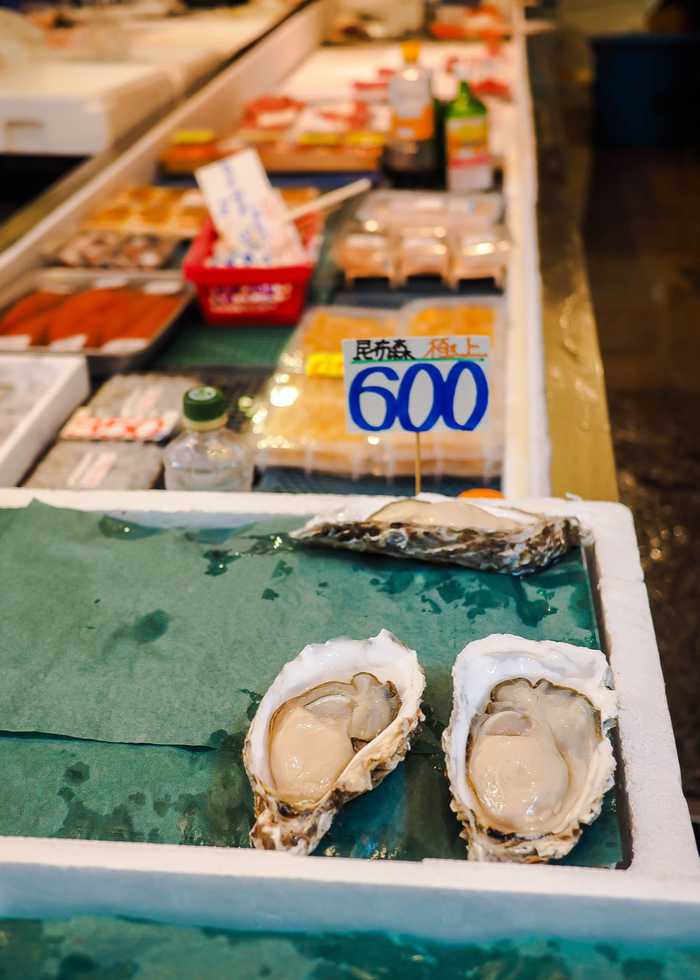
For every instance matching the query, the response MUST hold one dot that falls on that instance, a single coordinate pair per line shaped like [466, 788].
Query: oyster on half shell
[445, 529]
[527, 753]
[336, 720]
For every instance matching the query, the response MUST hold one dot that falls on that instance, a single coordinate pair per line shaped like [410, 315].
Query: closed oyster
[527, 753]
[445, 529]
[336, 720]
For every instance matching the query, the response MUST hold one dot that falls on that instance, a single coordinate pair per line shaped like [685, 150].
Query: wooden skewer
[329, 200]
[418, 474]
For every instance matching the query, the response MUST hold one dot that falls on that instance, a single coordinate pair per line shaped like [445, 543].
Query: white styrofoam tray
[67, 385]
[77, 109]
[657, 897]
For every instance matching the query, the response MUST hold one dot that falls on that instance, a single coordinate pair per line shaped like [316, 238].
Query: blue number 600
[444, 393]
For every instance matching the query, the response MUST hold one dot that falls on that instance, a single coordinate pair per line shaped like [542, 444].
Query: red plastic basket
[234, 297]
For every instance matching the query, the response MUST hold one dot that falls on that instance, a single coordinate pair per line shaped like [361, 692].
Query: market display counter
[168, 618]
[44, 109]
[524, 466]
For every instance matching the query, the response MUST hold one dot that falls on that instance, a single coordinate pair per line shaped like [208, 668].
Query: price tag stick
[418, 474]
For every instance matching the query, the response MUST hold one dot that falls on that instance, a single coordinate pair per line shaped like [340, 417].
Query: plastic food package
[301, 423]
[483, 316]
[115, 314]
[92, 249]
[153, 210]
[324, 328]
[452, 317]
[396, 235]
[188, 150]
[300, 420]
[392, 210]
[97, 466]
[292, 137]
[419, 253]
[479, 255]
[131, 407]
[365, 255]
[268, 116]
[485, 20]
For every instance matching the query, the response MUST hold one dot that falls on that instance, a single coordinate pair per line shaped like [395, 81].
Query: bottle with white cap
[208, 456]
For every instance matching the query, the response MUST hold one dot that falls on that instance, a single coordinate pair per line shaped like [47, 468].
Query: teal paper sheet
[100, 791]
[245, 601]
[125, 634]
[86, 948]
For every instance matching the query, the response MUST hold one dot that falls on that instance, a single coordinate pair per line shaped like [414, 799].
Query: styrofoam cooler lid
[56, 107]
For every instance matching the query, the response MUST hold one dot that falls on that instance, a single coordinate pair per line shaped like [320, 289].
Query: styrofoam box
[64, 385]
[76, 109]
[656, 897]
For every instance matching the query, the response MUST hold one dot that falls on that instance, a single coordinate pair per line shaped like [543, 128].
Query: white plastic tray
[76, 109]
[657, 897]
[67, 385]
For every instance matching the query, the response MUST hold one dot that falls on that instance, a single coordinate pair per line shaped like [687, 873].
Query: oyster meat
[527, 752]
[336, 720]
[445, 529]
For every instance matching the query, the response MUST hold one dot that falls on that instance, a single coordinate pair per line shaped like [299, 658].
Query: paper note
[249, 215]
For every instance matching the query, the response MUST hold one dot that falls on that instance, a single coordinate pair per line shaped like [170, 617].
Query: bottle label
[467, 141]
[413, 117]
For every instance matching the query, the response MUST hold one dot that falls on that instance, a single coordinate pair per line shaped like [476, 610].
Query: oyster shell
[336, 720]
[446, 529]
[527, 753]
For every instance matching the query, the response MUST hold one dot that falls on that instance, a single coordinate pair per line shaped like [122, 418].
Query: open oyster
[336, 720]
[445, 529]
[528, 757]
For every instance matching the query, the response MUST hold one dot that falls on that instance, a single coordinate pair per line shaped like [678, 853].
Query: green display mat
[152, 636]
[88, 948]
[198, 345]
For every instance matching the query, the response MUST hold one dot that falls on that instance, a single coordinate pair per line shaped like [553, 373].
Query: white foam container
[76, 109]
[655, 898]
[68, 385]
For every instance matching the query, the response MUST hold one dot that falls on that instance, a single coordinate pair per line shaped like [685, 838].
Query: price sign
[248, 214]
[416, 384]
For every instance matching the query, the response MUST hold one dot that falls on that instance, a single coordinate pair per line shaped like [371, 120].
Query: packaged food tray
[81, 330]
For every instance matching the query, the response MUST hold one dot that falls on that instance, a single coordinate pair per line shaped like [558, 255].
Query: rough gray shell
[541, 540]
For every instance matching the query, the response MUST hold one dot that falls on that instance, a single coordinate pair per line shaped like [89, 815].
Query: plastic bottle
[410, 151]
[469, 166]
[208, 456]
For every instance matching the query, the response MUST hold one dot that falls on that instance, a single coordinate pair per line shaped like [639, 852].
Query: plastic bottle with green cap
[208, 456]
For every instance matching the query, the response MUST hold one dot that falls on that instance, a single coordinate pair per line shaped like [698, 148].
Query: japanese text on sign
[416, 384]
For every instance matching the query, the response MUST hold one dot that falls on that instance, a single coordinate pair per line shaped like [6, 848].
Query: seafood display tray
[101, 364]
[66, 386]
[656, 896]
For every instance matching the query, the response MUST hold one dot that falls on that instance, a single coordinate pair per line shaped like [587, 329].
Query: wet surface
[85, 948]
[642, 248]
[639, 213]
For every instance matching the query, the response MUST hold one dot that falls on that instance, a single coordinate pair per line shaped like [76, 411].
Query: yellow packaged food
[323, 330]
[301, 423]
